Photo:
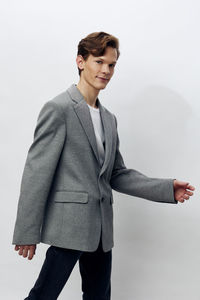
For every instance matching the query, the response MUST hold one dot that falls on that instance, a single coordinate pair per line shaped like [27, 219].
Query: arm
[134, 183]
[41, 162]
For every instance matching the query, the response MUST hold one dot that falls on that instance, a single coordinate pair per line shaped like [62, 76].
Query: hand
[26, 250]
[182, 190]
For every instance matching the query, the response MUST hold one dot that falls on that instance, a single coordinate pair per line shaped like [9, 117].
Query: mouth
[103, 79]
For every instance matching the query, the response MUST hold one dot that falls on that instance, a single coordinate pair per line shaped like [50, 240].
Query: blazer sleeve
[134, 183]
[40, 165]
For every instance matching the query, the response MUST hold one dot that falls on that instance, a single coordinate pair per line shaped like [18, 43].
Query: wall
[154, 94]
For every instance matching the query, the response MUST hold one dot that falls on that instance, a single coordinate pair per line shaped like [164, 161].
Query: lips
[102, 78]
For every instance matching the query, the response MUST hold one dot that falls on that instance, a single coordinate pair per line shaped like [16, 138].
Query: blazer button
[102, 199]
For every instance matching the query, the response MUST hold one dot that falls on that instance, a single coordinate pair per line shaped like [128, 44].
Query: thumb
[179, 183]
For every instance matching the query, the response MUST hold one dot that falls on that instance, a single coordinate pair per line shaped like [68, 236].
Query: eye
[112, 65]
[98, 61]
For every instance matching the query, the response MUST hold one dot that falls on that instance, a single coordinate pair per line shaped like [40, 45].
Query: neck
[89, 93]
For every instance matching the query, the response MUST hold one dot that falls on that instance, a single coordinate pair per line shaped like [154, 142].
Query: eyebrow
[114, 62]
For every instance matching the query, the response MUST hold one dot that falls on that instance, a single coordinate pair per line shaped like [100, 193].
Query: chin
[102, 86]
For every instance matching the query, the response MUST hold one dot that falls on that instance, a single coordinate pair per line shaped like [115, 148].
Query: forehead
[109, 55]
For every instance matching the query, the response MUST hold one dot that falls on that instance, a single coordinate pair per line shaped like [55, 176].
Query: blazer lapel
[83, 113]
[108, 136]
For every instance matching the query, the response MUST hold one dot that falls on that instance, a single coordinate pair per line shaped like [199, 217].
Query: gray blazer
[66, 196]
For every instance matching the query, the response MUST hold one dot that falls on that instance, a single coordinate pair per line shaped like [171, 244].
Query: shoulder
[58, 104]
[62, 100]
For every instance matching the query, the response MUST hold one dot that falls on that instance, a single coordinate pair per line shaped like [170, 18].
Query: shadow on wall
[159, 119]
[163, 135]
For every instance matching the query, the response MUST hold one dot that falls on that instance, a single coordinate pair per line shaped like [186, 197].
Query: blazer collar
[82, 110]
[78, 97]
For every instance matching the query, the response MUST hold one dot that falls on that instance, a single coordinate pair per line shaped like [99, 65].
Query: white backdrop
[155, 95]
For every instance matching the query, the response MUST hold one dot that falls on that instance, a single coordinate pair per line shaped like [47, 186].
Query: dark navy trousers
[95, 270]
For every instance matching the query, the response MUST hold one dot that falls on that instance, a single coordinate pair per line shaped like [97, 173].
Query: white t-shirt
[98, 129]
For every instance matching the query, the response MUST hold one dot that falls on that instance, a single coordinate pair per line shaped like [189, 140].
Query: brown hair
[95, 43]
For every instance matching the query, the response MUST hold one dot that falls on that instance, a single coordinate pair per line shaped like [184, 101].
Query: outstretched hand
[26, 250]
[182, 190]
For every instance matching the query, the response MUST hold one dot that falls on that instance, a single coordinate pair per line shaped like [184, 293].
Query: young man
[71, 168]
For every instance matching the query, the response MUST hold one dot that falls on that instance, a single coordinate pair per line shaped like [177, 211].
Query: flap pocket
[73, 197]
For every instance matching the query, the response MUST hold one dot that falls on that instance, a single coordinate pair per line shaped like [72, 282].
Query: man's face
[97, 71]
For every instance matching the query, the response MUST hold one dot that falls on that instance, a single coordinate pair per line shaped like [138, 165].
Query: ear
[80, 62]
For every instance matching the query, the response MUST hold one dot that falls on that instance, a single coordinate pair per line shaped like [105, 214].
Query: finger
[21, 250]
[189, 193]
[190, 187]
[186, 197]
[25, 251]
[16, 247]
[181, 200]
[31, 253]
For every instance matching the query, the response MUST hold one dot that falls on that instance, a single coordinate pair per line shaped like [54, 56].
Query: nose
[105, 69]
